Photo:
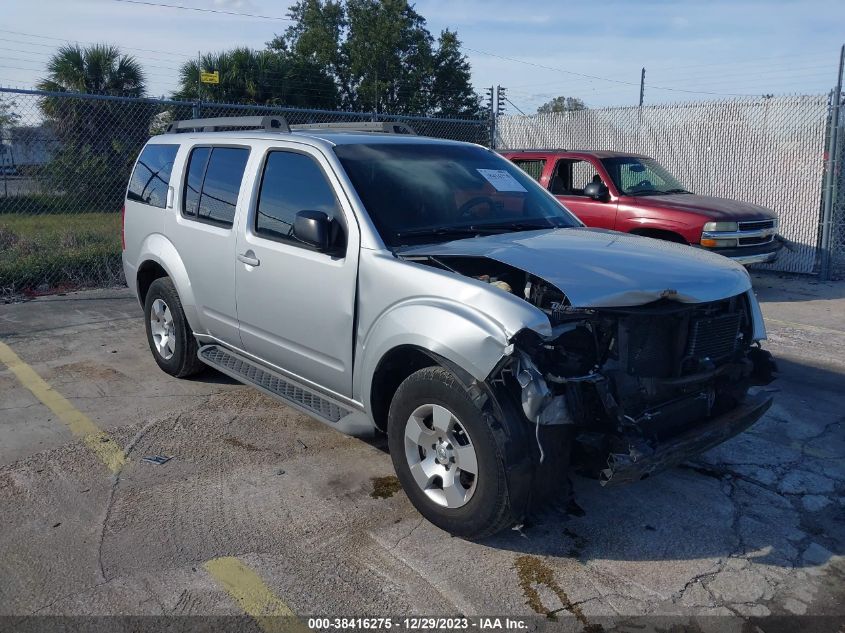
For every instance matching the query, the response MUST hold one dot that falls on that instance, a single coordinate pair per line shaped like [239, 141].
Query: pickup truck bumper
[644, 458]
[747, 255]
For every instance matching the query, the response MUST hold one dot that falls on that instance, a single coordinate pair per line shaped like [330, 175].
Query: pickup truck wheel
[446, 456]
[170, 337]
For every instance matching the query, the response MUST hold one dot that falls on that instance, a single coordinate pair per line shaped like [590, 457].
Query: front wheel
[446, 456]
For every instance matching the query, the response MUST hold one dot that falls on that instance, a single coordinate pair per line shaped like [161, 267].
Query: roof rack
[271, 123]
[387, 127]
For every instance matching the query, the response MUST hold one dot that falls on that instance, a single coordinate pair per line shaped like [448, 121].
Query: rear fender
[159, 249]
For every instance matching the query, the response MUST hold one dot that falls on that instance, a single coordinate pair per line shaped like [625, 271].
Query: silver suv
[431, 290]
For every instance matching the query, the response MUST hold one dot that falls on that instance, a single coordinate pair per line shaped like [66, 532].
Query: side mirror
[596, 191]
[313, 228]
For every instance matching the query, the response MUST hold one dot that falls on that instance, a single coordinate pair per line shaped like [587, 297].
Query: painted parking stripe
[103, 446]
[253, 596]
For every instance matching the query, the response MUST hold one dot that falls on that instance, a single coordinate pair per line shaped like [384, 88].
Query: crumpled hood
[709, 206]
[596, 268]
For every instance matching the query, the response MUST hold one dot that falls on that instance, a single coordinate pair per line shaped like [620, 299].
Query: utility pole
[832, 167]
[199, 86]
[642, 86]
[491, 108]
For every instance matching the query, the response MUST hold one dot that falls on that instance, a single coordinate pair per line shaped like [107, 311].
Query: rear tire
[447, 457]
[170, 337]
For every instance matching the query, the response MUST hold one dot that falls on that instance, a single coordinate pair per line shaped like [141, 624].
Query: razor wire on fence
[767, 151]
[65, 160]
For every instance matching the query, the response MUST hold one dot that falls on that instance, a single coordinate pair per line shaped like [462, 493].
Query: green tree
[562, 104]
[452, 92]
[98, 140]
[382, 56]
[267, 77]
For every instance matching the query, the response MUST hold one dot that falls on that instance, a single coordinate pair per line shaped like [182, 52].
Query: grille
[650, 349]
[714, 337]
[756, 225]
[750, 241]
[251, 373]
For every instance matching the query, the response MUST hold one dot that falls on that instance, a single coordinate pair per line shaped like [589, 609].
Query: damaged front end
[642, 388]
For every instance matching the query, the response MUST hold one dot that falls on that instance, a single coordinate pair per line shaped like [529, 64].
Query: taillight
[123, 227]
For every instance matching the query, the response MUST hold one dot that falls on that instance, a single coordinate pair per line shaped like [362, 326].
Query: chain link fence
[65, 160]
[768, 151]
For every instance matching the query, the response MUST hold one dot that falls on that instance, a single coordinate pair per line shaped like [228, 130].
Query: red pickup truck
[635, 194]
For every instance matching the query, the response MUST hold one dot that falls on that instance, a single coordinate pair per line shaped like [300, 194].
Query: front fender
[456, 332]
[157, 248]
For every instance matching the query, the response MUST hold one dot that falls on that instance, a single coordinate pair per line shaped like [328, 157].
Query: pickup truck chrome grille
[749, 233]
[755, 225]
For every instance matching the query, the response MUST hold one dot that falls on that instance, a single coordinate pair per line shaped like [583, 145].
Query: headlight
[721, 227]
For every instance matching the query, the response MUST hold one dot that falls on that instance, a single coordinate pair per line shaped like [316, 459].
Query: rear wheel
[447, 457]
[170, 337]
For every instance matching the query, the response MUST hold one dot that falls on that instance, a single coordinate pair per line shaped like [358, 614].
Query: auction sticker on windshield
[501, 180]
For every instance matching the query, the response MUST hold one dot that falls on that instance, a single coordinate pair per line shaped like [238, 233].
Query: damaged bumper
[643, 459]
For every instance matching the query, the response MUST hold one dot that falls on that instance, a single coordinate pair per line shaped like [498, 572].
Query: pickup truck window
[291, 183]
[151, 176]
[425, 192]
[571, 176]
[636, 176]
[531, 166]
[213, 183]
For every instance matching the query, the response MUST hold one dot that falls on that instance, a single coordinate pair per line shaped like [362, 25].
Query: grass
[71, 250]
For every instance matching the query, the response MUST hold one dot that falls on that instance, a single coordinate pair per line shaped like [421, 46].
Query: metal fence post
[830, 175]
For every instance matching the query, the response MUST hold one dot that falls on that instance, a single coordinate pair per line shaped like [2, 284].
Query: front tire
[446, 456]
[170, 337]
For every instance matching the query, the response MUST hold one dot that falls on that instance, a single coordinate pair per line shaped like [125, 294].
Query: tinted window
[151, 176]
[421, 192]
[213, 183]
[532, 167]
[291, 183]
[193, 183]
[222, 184]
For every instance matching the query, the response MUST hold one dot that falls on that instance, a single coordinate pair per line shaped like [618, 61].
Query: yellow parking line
[253, 596]
[79, 424]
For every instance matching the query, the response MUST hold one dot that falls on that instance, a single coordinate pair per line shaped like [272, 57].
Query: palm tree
[98, 138]
[95, 69]
[265, 77]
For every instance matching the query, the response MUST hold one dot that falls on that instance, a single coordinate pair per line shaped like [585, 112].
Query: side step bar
[249, 372]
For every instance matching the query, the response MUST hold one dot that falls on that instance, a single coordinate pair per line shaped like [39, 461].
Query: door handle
[249, 259]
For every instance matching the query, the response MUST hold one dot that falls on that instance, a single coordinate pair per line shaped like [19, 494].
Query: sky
[691, 51]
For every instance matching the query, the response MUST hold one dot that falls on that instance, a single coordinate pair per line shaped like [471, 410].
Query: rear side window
[151, 176]
[532, 167]
[291, 183]
[213, 183]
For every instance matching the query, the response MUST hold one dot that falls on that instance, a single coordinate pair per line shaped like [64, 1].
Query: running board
[291, 392]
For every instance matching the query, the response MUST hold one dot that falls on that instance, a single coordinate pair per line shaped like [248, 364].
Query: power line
[201, 10]
[599, 78]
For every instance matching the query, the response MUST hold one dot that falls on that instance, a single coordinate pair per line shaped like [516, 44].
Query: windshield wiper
[677, 191]
[475, 229]
[438, 231]
[515, 226]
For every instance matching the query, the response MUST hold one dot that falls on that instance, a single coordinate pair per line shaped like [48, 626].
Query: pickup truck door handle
[249, 259]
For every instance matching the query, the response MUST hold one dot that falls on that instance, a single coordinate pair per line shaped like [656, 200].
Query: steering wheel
[464, 210]
[643, 184]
